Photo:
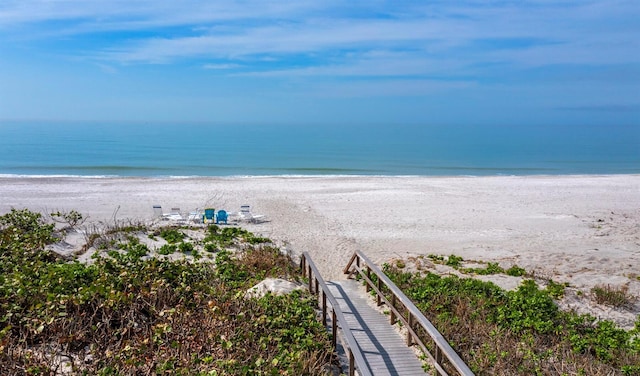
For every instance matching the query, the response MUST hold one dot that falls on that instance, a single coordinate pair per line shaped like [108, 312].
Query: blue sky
[314, 62]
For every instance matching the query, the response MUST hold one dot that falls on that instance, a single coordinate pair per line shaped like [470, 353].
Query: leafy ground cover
[521, 332]
[127, 312]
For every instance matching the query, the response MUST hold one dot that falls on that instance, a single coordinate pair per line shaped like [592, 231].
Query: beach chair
[221, 216]
[158, 214]
[157, 211]
[175, 215]
[195, 216]
[246, 215]
[209, 215]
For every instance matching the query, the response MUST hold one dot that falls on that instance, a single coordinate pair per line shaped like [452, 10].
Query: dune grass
[613, 296]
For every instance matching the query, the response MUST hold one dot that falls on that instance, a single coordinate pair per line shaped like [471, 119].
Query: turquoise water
[103, 149]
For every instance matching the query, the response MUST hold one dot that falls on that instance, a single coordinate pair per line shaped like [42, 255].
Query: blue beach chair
[221, 217]
[209, 215]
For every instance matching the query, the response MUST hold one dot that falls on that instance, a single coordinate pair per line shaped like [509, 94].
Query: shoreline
[578, 229]
[294, 176]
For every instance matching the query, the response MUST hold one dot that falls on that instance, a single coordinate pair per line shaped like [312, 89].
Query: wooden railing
[419, 329]
[318, 287]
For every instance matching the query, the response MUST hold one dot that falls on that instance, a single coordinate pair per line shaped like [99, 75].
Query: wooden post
[324, 308]
[310, 281]
[352, 367]
[437, 353]
[317, 287]
[368, 276]
[334, 329]
[410, 324]
[379, 289]
[393, 307]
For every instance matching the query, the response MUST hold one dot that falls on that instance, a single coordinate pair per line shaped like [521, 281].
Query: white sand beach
[583, 230]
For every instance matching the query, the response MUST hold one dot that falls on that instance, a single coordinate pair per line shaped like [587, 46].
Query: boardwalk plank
[383, 347]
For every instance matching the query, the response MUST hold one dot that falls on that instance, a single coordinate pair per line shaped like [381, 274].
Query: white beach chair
[195, 216]
[157, 213]
[246, 215]
[175, 215]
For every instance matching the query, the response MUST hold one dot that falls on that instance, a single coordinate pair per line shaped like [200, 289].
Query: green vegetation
[172, 235]
[454, 261]
[519, 332]
[516, 271]
[128, 313]
[555, 290]
[168, 249]
[491, 268]
[224, 237]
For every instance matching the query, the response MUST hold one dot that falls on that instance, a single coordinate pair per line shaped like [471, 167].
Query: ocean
[177, 149]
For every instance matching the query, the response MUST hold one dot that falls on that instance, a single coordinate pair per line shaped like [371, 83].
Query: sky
[312, 62]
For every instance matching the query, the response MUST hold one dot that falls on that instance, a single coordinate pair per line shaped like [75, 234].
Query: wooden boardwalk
[383, 348]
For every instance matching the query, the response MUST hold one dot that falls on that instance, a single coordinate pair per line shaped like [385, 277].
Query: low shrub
[491, 268]
[172, 235]
[555, 290]
[225, 237]
[186, 247]
[127, 313]
[454, 261]
[516, 271]
[168, 249]
[518, 332]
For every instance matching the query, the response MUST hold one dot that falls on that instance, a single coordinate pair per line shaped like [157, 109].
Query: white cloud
[336, 38]
[221, 66]
[560, 52]
[127, 15]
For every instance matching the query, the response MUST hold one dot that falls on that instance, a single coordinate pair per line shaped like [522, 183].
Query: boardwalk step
[383, 347]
